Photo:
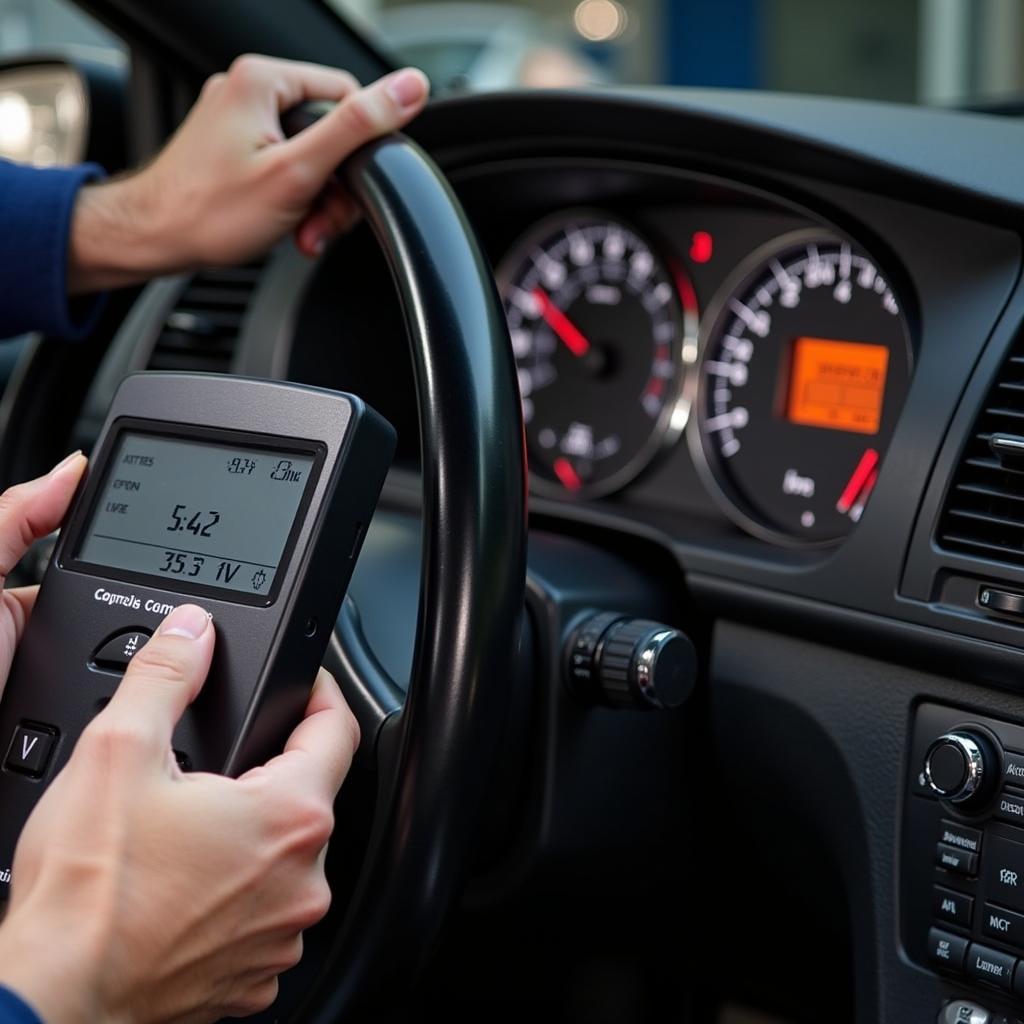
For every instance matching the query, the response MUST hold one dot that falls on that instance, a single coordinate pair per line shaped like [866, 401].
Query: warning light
[702, 247]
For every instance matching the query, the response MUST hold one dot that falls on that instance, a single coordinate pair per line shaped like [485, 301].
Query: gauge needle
[856, 484]
[858, 509]
[568, 476]
[566, 330]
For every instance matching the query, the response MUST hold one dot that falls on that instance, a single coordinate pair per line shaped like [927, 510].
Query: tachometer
[598, 326]
[804, 367]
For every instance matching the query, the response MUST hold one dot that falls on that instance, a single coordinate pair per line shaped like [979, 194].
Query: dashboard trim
[891, 149]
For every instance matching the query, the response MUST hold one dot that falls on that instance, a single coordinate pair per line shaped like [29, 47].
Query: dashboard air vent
[984, 513]
[201, 331]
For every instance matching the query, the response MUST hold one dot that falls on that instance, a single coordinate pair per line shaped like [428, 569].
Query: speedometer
[802, 375]
[598, 325]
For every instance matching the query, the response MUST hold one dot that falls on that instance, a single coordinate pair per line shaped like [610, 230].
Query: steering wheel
[433, 750]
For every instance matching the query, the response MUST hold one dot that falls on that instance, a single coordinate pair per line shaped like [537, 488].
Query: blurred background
[916, 51]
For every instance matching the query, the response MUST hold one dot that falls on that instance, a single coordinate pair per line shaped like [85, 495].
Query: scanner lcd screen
[196, 512]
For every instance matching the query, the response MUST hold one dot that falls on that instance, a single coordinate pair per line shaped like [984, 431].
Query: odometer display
[803, 372]
[837, 384]
[598, 325]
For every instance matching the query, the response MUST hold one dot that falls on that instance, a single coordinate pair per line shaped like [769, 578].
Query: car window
[916, 51]
[54, 26]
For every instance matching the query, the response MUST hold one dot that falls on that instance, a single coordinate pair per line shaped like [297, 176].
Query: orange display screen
[837, 384]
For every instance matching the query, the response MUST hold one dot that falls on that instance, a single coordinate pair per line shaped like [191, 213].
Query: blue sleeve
[35, 224]
[14, 1011]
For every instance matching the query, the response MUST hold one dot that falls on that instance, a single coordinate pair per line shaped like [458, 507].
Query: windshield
[950, 52]
[55, 27]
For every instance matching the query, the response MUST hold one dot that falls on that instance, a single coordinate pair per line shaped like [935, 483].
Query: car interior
[722, 722]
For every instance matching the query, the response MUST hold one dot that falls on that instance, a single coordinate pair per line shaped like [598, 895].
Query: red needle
[865, 493]
[570, 334]
[568, 476]
[864, 469]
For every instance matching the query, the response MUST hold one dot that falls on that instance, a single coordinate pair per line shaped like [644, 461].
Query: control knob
[630, 663]
[960, 767]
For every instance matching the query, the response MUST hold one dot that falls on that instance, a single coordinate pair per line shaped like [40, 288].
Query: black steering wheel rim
[442, 742]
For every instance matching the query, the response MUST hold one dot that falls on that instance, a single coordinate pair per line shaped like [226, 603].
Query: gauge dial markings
[598, 346]
[783, 395]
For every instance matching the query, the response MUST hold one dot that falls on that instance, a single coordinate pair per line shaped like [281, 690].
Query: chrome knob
[956, 766]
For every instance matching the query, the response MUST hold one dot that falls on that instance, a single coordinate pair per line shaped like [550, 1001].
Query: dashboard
[765, 374]
[709, 388]
[769, 350]
[751, 365]
[684, 344]
[757, 376]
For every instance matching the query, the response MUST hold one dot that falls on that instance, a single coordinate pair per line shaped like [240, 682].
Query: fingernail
[319, 244]
[66, 461]
[406, 87]
[188, 620]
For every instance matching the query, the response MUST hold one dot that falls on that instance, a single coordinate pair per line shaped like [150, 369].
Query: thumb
[31, 510]
[163, 678]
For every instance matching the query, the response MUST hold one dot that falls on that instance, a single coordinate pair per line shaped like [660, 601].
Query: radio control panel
[962, 854]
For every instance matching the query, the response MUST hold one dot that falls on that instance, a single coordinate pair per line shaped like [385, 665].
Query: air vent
[201, 332]
[984, 513]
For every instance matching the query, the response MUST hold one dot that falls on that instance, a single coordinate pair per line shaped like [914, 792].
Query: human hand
[228, 184]
[141, 893]
[28, 512]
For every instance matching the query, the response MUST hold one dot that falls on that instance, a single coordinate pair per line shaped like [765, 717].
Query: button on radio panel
[962, 868]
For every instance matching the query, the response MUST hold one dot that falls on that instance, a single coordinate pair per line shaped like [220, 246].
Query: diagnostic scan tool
[249, 498]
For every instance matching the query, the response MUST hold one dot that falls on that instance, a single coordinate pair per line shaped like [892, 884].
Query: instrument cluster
[787, 377]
